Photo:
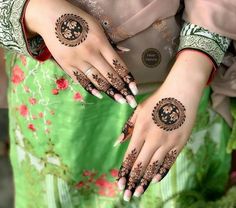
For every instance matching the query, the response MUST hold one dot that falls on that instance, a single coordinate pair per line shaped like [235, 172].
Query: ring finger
[102, 84]
[114, 79]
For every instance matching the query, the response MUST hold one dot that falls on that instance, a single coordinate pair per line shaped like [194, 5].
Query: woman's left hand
[161, 125]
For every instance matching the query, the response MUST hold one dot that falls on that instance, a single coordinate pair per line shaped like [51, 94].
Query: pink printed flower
[80, 184]
[41, 114]
[24, 110]
[52, 112]
[77, 96]
[87, 173]
[34, 117]
[32, 101]
[23, 59]
[55, 91]
[48, 122]
[114, 173]
[26, 89]
[62, 84]
[31, 127]
[17, 75]
[105, 188]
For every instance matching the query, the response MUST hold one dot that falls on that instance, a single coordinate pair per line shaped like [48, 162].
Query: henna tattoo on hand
[71, 30]
[123, 72]
[127, 130]
[126, 92]
[84, 81]
[103, 85]
[168, 162]
[116, 81]
[135, 177]
[151, 171]
[127, 164]
[169, 114]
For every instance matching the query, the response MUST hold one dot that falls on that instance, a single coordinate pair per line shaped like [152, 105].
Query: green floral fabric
[62, 146]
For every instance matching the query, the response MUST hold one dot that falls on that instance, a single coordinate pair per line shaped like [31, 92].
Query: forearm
[188, 77]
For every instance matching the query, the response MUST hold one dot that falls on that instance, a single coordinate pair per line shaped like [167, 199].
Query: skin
[94, 50]
[188, 77]
[155, 149]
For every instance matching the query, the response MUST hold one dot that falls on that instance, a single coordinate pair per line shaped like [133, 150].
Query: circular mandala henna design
[71, 30]
[169, 114]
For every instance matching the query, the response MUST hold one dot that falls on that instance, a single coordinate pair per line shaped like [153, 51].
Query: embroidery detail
[11, 35]
[169, 114]
[71, 30]
[196, 37]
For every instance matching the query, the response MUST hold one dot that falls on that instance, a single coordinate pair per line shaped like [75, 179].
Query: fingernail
[156, 179]
[133, 88]
[122, 48]
[121, 184]
[138, 191]
[97, 93]
[132, 102]
[127, 195]
[137, 194]
[119, 140]
[116, 143]
[119, 99]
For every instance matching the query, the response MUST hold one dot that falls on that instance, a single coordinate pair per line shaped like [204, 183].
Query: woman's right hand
[79, 45]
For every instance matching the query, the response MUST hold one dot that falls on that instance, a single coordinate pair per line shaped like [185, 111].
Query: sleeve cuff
[13, 34]
[35, 46]
[197, 38]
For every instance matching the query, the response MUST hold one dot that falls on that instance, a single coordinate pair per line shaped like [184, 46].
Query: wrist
[192, 68]
[188, 76]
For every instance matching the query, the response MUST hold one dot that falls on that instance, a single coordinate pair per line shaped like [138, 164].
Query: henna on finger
[71, 30]
[123, 72]
[127, 164]
[167, 163]
[127, 130]
[151, 171]
[84, 81]
[135, 177]
[115, 81]
[102, 84]
[169, 114]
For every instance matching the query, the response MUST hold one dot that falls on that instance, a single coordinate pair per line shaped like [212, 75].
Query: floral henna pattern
[135, 177]
[116, 81]
[123, 72]
[84, 81]
[168, 162]
[103, 85]
[127, 130]
[151, 171]
[126, 92]
[71, 30]
[169, 114]
[127, 164]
